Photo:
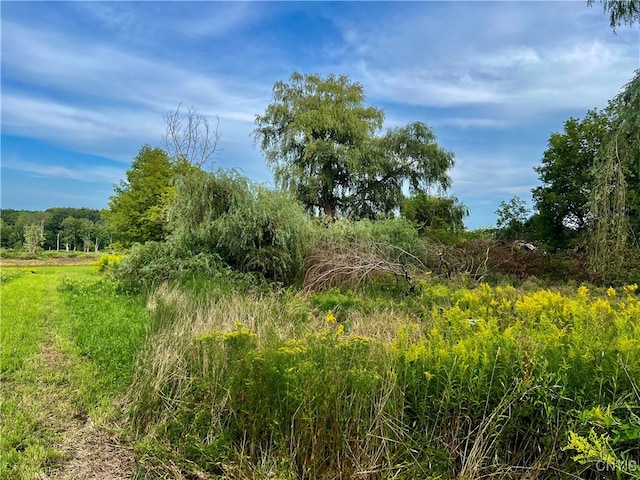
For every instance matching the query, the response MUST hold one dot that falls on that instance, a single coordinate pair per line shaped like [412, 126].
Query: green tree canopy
[432, 212]
[512, 218]
[566, 173]
[137, 209]
[248, 226]
[33, 237]
[320, 140]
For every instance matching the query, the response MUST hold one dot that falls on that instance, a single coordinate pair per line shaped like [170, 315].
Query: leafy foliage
[429, 212]
[248, 226]
[512, 216]
[148, 265]
[137, 209]
[33, 237]
[320, 140]
[621, 12]
[56, 236]
[615, 198]
[567, 177]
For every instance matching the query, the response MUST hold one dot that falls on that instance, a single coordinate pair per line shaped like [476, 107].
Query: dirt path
[53, 435]
[41, 262]
[86, 450]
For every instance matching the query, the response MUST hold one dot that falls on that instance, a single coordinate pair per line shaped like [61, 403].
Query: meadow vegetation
[453, 381]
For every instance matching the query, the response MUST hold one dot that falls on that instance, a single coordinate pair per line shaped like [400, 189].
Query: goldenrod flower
[330, 318]
[583, 292]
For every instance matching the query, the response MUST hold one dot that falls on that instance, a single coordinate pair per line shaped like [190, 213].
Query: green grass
[68, 346]
[107, 327]
[453, 382]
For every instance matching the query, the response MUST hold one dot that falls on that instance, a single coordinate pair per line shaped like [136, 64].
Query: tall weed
[456, 383]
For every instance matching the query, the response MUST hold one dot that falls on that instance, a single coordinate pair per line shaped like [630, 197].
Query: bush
[250, 227]
[107, 262]
[146, 266]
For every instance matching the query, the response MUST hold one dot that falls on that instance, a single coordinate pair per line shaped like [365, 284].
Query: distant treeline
[64, 228]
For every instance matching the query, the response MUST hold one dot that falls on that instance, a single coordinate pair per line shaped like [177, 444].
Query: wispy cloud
[82, 173]
[470, 122]
[94, 96]
[97, 77]
[498, 59]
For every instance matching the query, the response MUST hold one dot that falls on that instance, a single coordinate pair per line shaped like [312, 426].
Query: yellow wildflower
[340, 330]
[330, 318]
[611, 292]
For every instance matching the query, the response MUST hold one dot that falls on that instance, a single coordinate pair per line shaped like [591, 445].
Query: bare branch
[335, 264]
[189, 136]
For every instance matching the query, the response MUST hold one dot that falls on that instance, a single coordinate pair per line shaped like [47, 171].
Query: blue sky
[86, 84]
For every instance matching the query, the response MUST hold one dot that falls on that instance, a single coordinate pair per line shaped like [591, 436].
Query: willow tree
[621, 12]
[615, 198]
[323, 144]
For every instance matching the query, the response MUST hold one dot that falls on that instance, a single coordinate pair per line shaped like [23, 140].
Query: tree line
[57, 228]
[589, 197]
[331, 159]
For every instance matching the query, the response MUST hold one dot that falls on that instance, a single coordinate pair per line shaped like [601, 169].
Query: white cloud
[98, 99]
[490, 54]
[78, 67]
[84, 173]
[470, 122]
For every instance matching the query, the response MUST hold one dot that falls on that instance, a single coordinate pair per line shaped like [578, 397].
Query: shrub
[250, 227]
[107, 262]
[146, 266]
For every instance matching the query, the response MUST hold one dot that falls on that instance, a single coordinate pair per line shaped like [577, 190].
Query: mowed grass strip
[53, 379]
[27, 303]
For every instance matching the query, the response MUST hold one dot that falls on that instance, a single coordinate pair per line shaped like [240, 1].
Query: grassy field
[64, 367]
[218, 379]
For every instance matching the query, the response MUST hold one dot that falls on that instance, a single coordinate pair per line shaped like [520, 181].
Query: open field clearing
[219, 377]
[60, 393]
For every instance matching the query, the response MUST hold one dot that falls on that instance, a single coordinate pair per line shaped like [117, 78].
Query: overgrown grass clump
[449, 383]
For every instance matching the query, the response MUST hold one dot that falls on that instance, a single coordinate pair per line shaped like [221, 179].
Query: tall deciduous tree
[312, 133]
[137, 209]
[33, 237]
[320, 140]
[567, 178]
